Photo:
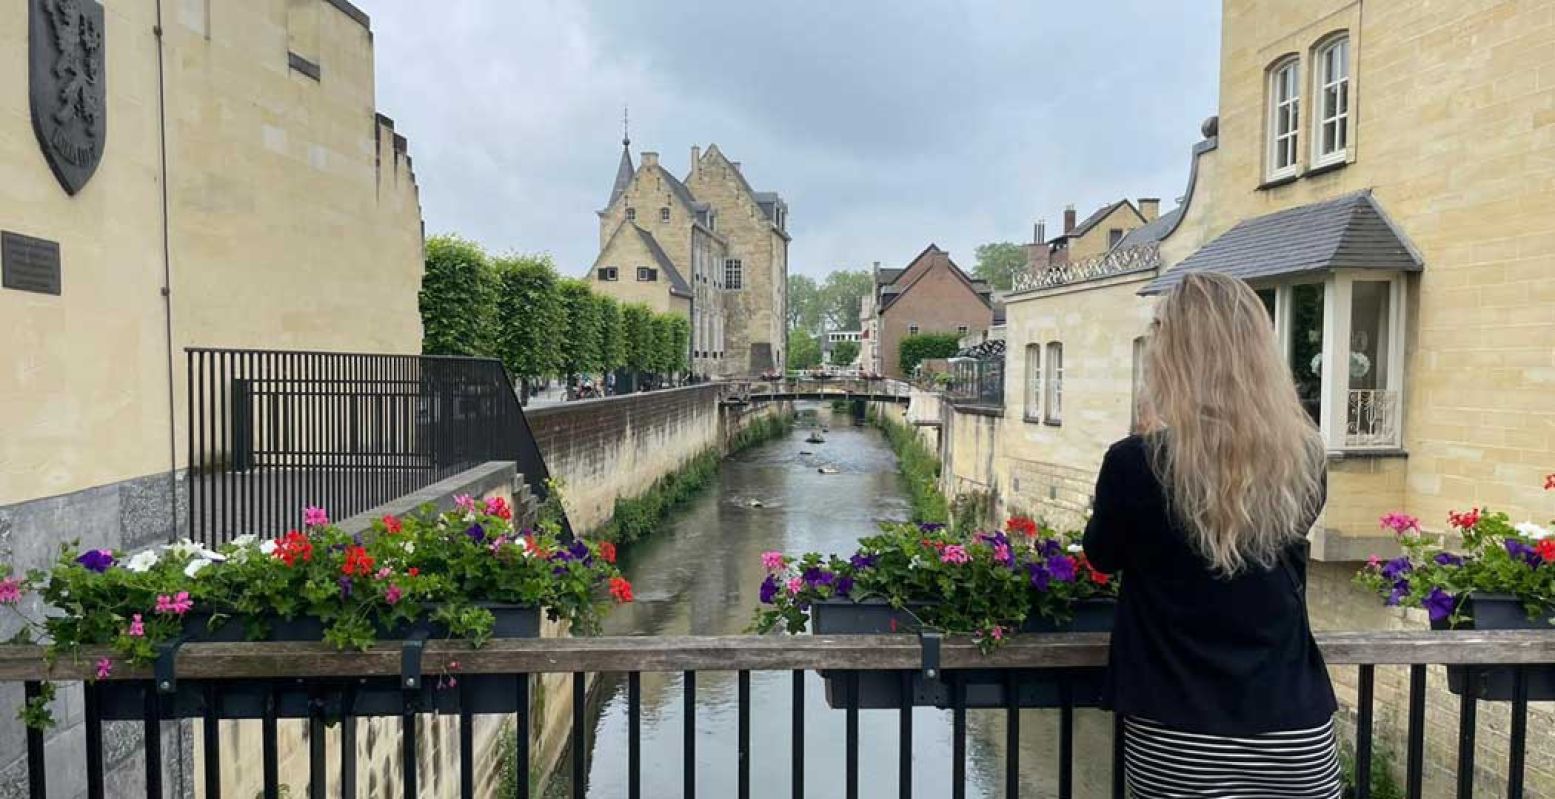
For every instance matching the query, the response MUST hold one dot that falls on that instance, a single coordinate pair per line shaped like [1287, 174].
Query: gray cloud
[885, 125]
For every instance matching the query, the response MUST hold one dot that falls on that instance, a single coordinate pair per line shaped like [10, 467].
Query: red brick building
[930, 295]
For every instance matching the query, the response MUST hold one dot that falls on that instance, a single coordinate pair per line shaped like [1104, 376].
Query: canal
[699, 576]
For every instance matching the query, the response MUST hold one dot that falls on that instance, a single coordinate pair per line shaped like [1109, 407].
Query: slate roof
[888, 276]
[678, 285]
[624, 172]
[679, 189]
[1151, 232]
[1094, 219]
[1348, 232]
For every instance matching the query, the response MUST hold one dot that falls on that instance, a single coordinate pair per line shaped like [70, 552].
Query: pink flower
[954, 553]
[997, 633]
[1001, 554]
[137, 627]
[176, 605]
[384, 573]
[772, 561]
[1374, 562]
[464, 502]
[1400, 523]
[10, 591]
[314, 516]
[393, 594]
[104, 668]
[795, 585]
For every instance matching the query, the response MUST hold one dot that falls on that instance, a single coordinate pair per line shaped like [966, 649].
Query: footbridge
[821, 388]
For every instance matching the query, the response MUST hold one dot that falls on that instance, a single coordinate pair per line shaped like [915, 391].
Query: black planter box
[1494, 683]
[294, 698]
[983, 688]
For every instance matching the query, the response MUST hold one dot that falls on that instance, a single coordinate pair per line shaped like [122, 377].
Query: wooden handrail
[753, 653]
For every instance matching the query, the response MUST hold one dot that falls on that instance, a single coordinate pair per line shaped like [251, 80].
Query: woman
[1213, 667]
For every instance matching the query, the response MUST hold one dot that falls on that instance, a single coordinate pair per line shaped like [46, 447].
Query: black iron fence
[503, 671]
[271, 432]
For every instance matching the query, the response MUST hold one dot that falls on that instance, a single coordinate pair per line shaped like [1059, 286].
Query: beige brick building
[708, 246]
[1103, 230]
[929, 295]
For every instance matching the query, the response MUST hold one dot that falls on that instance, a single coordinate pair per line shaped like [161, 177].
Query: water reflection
[699, 576]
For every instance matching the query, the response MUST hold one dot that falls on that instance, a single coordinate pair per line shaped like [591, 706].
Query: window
[1284, 117]
[1333, 102]
[1114, 236]
[609, 273]
[734, 274]
[646, 275]
[1306, 346]
[1033, 403]
[664, 214]
[1055, 383]
[912, 330]
[961, 329]
[631, 214]
[1138, 383]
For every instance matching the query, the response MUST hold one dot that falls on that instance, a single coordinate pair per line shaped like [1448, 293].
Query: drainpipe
[167, 283]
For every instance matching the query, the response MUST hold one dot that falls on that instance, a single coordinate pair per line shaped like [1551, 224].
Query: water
[699, 576]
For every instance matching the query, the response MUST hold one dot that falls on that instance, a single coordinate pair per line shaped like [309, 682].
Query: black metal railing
[977, 381]
[271, 432]
[506, 668]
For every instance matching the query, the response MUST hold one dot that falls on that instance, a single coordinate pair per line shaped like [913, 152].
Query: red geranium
[292, 547]
[607, 551]
[413, 571]
[1022, 525]
[1549, 482]
[392, 524]
[620, 589]
[1547, 550]
[1463, 521]
[498, 507]
[358, 562]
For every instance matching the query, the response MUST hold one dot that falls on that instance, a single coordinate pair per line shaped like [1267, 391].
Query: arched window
[1284, 116]
[1331, 139]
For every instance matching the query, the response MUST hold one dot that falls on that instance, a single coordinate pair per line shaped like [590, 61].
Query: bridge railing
[215, 671]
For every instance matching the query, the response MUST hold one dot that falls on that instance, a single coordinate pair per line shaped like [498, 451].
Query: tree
[529, 316]
[804, 351]
[916, 348]
[664, 360]
[999, 262]
[841, 294]
[844, 353]
[612, 337]
[804, 304]
[458, 297]
[581, 345]
[680, 329]
[637, 337]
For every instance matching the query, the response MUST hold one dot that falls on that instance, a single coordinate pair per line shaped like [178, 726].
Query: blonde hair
[1240, 459]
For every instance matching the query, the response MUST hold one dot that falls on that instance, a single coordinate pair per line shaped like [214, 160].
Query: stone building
[929, 295]
[709, 247]
[223, 180]
[1103, 230]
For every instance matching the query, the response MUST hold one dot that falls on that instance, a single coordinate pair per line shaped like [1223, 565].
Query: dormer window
[1284, 117]
[631, 214]
[1332, 137]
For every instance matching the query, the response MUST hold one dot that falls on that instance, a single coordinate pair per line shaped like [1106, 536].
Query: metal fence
[977, 381]
[271, 432]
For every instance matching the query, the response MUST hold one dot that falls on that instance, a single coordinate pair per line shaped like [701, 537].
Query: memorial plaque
[29, 264]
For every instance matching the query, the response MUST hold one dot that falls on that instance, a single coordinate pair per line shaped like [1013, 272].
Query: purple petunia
[1062, 568]
[931, 527]
[817, 576]
[1439, 604]
[844, 586]
[862, 561]
[1050, 548]
[1448, 559]
[580, 551]
[1396, 568]
[1519, 550]
[1400, 590]
[476, 533]
[96, 560]
[769, 589]
[345, 587]
[1039, 576]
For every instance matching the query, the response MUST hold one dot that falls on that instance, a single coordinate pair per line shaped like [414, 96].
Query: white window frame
[631, 214]
[1034, 389]
[646, 274]
[734, 274]
[609, 274]
[1053, 401]
[664, 213]
[1323, 117]
[1286, 74]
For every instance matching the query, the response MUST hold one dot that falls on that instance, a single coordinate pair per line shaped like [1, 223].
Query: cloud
[885, 125]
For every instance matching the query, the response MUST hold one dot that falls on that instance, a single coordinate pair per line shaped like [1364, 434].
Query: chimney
[1068, 209]
[1039, 232]
[650, 158]
[1149, 208]
[696, 159]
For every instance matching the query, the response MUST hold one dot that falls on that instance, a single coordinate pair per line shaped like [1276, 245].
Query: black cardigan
[1230, 657]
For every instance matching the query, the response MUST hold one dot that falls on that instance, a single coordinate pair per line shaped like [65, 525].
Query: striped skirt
[1160, 762]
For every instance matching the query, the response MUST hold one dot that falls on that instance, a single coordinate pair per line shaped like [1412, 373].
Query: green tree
[612, 337]
[529, 316]
[844, 352]
[664, 360]
[458, 298]
[680, 331]
[918, 347]
[804, 351]
[999, 262]
[637, 337]
[804, 304]
[581, 346]
[841, 295]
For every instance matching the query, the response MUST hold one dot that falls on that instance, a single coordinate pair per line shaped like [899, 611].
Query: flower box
[371, 696]
[984, 688]
[1495, 683]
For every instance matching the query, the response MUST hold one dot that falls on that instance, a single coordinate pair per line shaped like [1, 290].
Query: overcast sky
[885, 124]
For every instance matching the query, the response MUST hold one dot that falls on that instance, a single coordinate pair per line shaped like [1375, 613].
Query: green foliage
[637, 337]
[35, 713]
[970, 510]
[680, 343]
[841, 295]
[582, 346]
[999, 262]
[665, 359]
[917, 348]
[530, 327]
[844, 352]
[612, 334]
[804, 351]
[804, 304]
[458, 298]
[919, 468]
[980, 584]
[1383, 784]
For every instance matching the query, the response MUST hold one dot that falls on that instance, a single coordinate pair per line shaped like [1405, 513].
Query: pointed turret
[624, 172]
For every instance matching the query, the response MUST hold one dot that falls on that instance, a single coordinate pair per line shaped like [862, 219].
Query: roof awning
[1349, 232]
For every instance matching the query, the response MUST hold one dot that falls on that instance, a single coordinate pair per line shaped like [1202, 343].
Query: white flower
[469, 517]
[267, 547]
[1532, 530]
[195, 566]
[1075, 549]
[185, 548]
[245, 540]
[142, 561]
[410, 548]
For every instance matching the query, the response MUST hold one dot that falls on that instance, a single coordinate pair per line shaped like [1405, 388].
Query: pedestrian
[1213, 667]
[610, 383]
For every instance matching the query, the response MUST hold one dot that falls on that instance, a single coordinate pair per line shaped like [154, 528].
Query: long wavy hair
[1228, 437]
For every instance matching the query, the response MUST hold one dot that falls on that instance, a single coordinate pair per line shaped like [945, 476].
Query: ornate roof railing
[1122, 261]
